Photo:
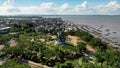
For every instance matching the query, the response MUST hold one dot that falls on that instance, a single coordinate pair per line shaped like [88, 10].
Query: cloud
[8, 8]
[64, 7]
[111, 6]
[82, 6]
[47, 5]
[13, 10]
[43, 8]
[8, 3]
[35, 10]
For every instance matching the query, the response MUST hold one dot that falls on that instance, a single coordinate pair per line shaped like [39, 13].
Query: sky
[60, 7]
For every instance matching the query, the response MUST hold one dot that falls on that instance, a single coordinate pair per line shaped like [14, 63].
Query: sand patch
[12, 42]
[1, 47]
[74, 39]
[90, 48]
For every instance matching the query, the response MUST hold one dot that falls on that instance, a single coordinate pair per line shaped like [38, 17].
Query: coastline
[99, 34]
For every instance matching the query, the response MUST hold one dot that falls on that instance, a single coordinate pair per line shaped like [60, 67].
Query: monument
[61, 36]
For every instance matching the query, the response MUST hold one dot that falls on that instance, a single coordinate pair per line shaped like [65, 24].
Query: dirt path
[36, 65]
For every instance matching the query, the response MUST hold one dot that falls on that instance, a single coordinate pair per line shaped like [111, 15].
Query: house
[4, 30]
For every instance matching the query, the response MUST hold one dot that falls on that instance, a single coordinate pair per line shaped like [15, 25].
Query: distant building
[4, 30]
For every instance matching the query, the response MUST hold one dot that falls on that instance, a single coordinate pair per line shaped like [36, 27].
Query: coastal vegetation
[11, 63]
[40, 47]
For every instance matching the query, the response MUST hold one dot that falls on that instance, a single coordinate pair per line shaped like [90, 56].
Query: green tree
[15, 51]
[64, 65]
[81, 46]
[14, 64]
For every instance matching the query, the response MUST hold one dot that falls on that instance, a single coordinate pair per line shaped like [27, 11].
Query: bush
[14, 64]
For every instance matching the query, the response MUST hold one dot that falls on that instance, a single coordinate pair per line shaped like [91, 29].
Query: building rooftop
[4, 28]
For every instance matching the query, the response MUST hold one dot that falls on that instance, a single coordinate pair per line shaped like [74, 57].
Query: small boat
[106, 34]
[114, 32]
[113, 38]
[107, 30]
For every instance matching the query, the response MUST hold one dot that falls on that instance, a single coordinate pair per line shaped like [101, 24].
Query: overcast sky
[60, 7]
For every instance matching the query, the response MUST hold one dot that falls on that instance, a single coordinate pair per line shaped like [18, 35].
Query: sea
[108, 22]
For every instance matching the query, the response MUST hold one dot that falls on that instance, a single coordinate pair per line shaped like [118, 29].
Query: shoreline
[99, 34]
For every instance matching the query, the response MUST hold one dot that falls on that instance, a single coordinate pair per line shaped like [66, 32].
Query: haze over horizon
[62, 7]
